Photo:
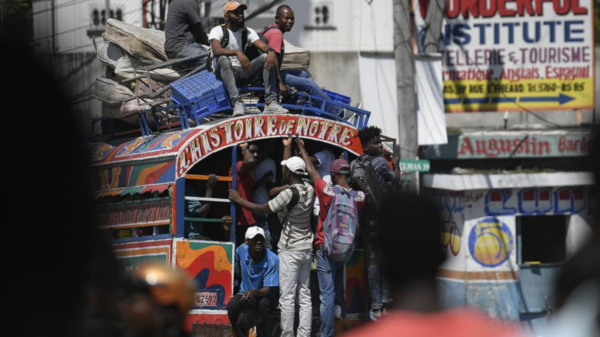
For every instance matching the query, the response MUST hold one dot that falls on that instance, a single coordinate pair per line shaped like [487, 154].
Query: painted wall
[480, 237]
[211, 265]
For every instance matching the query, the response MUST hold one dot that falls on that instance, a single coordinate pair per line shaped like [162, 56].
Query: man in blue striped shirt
[259, 269]
[370, 138]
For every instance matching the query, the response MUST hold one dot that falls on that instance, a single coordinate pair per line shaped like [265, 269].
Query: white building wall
[74, 19]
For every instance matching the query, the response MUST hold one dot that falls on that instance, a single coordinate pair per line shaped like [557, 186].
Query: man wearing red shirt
[273, 36]
[245, 186]
[329, 271]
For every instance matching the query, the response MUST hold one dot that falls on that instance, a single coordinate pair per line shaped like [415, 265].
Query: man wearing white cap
[259, 269]
[294, 207]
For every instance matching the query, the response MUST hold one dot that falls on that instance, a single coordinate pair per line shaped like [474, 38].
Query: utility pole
[106, 11]
[3, 18]
[405, 83]
[434, 20]
[53, 13]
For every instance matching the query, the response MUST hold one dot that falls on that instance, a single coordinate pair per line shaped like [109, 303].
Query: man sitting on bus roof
[184, 35]
[273, 35]
[259, 270]
[233, 66]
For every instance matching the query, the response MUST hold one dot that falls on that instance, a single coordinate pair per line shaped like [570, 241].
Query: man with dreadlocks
[372, 174]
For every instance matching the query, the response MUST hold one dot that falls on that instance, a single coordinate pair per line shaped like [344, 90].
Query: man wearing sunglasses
[232, 66]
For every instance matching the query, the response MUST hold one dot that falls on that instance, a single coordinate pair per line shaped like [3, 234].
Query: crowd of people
[278, 229]
[239, 55]
[306, 180]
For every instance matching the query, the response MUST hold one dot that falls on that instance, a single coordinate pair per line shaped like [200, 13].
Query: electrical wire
[66, 4]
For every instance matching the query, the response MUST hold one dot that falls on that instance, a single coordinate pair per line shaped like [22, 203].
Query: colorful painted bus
[140, 187]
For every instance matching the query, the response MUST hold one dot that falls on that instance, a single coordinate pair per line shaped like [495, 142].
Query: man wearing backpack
[372, 174]
[228, 43]
[294, 207]
[338, 214]
[273, 35]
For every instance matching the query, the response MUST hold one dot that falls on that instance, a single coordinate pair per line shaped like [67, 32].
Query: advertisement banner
[505, 145]
[518, 55]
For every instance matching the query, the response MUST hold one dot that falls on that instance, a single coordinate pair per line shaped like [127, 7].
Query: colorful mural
[491, 242]
[448, 201]
[357, 293]
[132, 254]
[142, 212]
[211, 265]
[133, 175]
[536, 201]
[141, 147]
[228, 133]
[451, 237]
[189, 146]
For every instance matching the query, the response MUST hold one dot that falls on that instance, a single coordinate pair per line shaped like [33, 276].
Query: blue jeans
[234, 76]
[330, 274]
[381, 292]
[193, 49]
[302, 82]
[262, 222]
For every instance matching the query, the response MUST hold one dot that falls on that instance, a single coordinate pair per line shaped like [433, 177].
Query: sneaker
[338, 311]
[375, 315]
[275, 108]
[238, 109]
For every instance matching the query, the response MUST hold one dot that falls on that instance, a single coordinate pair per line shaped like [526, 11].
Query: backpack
[225, 42]
[366, 179]
[252, 52]
[341, 225]
[293, 202]
[290, 206]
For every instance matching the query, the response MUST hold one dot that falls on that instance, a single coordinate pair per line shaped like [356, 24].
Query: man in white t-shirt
[234, 68]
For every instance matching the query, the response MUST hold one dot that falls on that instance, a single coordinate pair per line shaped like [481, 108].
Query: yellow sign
[498, 95]
[500, 55]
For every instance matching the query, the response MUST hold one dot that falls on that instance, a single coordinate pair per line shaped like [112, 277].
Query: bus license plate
[205, 299]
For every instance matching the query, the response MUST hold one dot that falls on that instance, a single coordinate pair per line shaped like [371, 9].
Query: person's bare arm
[276, 190]
[287, 152]
[218, 50]
[210, 186]
[263, 209]
[271, 61]
[310, 168]
[248, 163]
[263, 180]
[250, 295]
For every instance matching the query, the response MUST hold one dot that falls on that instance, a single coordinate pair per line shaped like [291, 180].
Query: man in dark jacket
[184, 34]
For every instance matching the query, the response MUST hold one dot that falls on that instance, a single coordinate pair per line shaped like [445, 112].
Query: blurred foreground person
[62, 281]
[156, 301]
[417, 311]
[577, 289]
[577, 295]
